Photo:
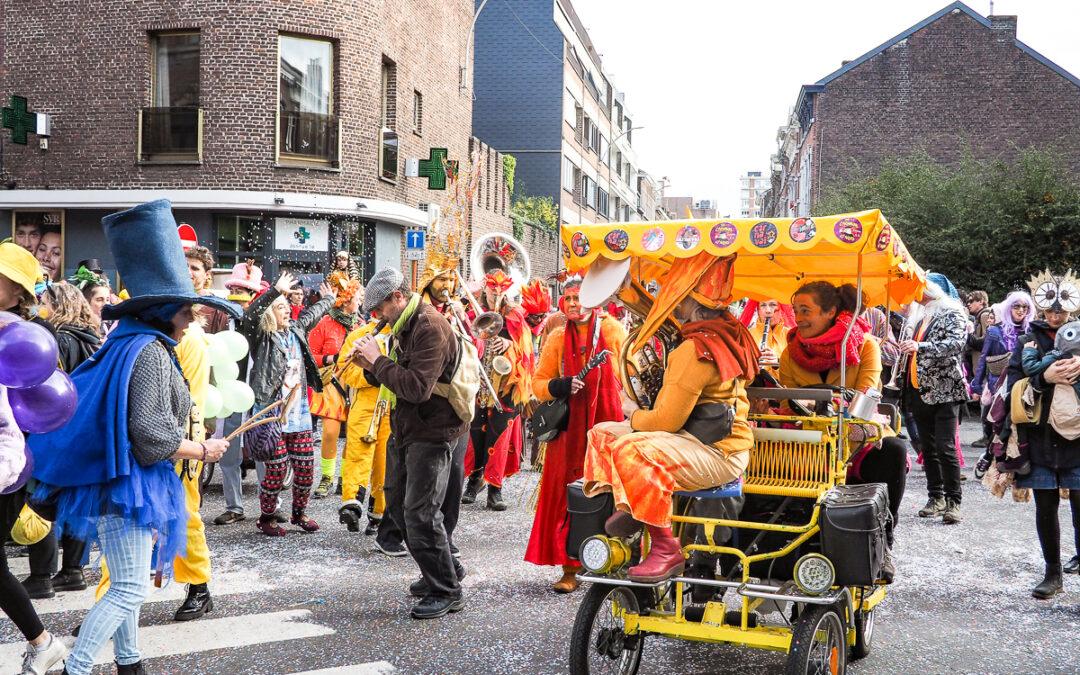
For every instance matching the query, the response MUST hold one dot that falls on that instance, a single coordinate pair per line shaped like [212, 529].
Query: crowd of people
[432, 385]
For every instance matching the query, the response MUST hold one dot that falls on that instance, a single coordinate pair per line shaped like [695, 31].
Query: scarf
[727, 343]
[346, 320]
[410, 309]
[822, 353]
[87, 465]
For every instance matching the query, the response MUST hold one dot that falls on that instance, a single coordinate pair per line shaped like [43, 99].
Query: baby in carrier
[1066, 345]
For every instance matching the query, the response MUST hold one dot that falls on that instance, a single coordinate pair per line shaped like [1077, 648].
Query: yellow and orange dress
[644, 460]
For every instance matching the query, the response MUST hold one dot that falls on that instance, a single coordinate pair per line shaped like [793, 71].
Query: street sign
[414, 244]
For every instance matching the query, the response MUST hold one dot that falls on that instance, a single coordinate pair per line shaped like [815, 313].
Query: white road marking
[373, 668]
[201, 636]
[223, 583]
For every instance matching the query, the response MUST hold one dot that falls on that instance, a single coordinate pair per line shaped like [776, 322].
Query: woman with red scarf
[823, 314]
[592, 400]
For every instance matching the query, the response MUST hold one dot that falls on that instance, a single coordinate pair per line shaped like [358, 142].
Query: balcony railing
[307, 137]
[170, 134]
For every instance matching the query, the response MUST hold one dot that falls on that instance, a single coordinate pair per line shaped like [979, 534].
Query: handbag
[261, 441]
[552, 417]
[710, 422]
[997, 364]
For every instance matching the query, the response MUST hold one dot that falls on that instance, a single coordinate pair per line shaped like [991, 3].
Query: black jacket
[427, 353]
[1048, 448]
[75, 345]
[268, 355]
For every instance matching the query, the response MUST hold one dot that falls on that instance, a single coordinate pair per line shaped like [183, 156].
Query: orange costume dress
[564, 355]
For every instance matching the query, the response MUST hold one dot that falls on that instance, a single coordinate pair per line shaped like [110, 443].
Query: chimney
[1004, 27]
[845, 62]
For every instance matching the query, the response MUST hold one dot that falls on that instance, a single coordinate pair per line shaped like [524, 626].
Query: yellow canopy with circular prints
[775, 255]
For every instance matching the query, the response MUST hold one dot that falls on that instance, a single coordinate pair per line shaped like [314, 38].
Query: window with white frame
[568, 171]
[601, 201]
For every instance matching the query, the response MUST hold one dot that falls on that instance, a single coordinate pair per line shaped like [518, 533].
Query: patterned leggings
[298, 448]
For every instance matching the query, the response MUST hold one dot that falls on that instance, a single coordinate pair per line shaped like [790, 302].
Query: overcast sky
[712, 80]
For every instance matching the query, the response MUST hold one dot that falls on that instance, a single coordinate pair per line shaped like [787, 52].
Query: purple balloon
[28, 355]
[46, 407]
[24, 475]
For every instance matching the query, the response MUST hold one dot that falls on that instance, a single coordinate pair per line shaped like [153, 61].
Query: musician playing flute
[593, 399]
[496, 432]
[769, 323]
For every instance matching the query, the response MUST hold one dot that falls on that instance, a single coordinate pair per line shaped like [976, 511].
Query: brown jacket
[427, 352]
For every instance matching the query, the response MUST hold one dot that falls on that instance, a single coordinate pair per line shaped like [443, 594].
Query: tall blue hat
[944, 283]
[146, 249]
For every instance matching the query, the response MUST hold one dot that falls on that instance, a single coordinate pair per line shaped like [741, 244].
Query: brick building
[955, 82]
[281, 130]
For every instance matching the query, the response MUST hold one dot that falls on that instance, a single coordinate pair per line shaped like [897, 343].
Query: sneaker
[935, 506]
[473, 487]
[951, 516]
[983, 465]
[38, 660]
[433, 608]
[1073, 566]
[419, 588]
[69, 580]
[325, 487]
[39, 587]
[494, 499]
[372, 525]
[228, 518]
[397, 550]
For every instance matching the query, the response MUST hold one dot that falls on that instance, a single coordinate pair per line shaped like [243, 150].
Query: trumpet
[907, 330]
[382, 406]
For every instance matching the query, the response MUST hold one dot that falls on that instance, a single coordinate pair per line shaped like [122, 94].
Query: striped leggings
[298, 448]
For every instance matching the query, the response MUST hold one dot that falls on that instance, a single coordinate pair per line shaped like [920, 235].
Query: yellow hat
[29, 528]
[438, 264]
[19, 265]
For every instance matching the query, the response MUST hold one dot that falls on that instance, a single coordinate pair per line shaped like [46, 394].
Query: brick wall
[89, 65]
[954, 85]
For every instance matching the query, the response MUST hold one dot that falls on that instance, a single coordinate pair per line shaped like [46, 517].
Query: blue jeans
[127, 548]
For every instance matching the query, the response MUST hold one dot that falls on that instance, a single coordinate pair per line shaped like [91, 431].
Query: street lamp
[624, 133]
[464, 71]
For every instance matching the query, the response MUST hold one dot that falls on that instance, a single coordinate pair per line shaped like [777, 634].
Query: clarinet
[765, 333]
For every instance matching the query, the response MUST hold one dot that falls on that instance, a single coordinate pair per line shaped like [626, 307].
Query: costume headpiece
[344, 289]
[535, 298]
[83, 277]
[1055, 292]
[704, 277]
[498, 280]
[944, 284]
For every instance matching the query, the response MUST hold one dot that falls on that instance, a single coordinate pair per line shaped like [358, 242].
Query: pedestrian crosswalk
[194, 637]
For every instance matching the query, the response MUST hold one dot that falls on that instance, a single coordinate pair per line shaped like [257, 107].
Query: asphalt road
[330, 602]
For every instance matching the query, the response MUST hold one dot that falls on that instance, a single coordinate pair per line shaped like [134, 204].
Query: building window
[418, 113]
[578, 185]
[579, 124]
[171, 128]
[388, 139]
[568, 172]
[601, 202]
[238, 238]
[587, 130]
[604, 151]
[588, 186]
[307, 125]
[629, 131]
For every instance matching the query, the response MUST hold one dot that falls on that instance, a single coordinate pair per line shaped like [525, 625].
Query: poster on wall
[42, 233]
[301, 234]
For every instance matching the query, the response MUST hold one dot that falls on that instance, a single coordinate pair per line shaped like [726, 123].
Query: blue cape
[87, 465]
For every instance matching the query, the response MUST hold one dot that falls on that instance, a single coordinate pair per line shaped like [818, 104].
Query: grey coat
[941, 351]
[268, 354]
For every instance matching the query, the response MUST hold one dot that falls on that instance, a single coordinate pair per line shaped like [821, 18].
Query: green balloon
[234, 344]
[217, 352]
[237, 395]
[213, 407]
[223, 372]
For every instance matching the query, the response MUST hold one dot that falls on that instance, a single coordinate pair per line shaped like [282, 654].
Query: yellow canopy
[774, 256]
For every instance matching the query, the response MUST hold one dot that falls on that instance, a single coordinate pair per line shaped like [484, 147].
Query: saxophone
[487, 327]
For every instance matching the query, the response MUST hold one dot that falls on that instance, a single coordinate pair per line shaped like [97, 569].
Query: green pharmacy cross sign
[432, 168]
[19, 119]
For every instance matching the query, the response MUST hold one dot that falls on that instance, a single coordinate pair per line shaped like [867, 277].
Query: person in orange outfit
[331, 405]
[593, 399]
[496, 431]
[644, 460]
[780, 319]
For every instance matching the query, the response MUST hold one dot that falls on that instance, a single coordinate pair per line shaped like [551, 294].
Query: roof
[956, 6]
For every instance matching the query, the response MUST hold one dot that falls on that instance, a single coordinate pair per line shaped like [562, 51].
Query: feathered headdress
[1055, 292]
[535, 298]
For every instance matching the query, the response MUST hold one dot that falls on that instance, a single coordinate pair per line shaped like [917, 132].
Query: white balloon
[223, 372]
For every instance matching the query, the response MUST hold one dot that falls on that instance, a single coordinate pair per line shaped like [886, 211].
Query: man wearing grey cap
[425, 428]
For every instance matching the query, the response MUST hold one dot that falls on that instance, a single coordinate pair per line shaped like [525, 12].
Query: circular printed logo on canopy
[580, 243]
[653, 239]
[896, 247]
[884, 238]
[617, 240]
[802, 230]
[763, 235]
[723, 234]
[688, 238]
[848, 230]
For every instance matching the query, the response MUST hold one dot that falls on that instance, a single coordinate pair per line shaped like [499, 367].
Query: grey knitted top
[158, 406]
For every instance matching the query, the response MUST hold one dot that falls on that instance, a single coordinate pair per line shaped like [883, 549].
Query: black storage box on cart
[587, 515]
[854, 525]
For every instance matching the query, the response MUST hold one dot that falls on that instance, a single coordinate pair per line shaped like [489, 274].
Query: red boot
[665, 558]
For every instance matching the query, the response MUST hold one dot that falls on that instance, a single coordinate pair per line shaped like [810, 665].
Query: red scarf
[822, 353]
[727, 343]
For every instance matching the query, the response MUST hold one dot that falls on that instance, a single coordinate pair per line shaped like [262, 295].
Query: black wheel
[864, 634]
[207, 474]
[818, 643]
[598, 643]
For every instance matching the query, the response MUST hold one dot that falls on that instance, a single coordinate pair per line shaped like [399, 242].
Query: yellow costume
[865, 375]
[194, 566]
[364, 462]
[777, 341]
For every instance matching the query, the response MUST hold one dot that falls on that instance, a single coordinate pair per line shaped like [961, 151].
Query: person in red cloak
[595, 399]
[496, 433]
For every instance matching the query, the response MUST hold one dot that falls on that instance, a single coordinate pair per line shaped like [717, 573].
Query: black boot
[372, 525]
[130, 669]
[350, 514]
[494, 499]
[69, 580]
[473, 487]
[1051, 584]
[198, 602]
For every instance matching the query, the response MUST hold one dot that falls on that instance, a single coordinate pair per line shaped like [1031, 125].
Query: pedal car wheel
[206, 475]
[599, 643]
[864, 634]
[818, 644]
